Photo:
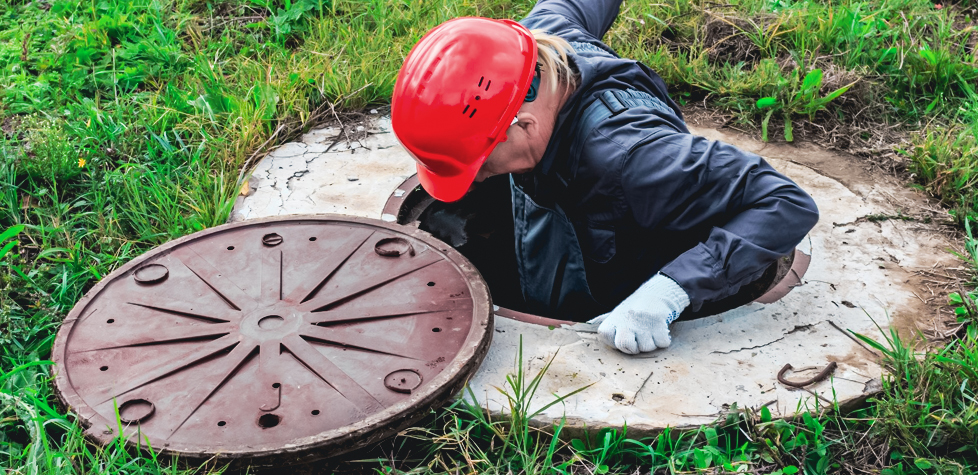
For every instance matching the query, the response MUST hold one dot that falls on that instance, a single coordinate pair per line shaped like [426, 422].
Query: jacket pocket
[598, 243]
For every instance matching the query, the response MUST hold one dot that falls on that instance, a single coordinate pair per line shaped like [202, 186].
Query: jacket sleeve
[751, 213]
[594, 16]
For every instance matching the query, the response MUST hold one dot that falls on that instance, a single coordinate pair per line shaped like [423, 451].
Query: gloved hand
[640, 323]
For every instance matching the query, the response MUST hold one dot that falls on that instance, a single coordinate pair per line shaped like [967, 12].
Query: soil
[866, 134]
[725, 41]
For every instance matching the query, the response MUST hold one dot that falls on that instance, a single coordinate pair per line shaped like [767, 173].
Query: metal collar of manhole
[287, 339]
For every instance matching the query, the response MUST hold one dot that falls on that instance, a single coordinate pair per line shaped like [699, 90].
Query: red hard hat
[456, 94]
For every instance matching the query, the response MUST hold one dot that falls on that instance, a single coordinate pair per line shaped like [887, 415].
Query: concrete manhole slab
[326, 172]
[284, 339]
[863, 272]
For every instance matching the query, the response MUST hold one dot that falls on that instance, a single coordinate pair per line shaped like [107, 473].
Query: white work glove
[640, 323]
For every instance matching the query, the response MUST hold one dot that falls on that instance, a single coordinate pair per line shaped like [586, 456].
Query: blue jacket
[645, 196]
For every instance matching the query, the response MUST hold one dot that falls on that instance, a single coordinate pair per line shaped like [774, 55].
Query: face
[519, 153]
[505, 158]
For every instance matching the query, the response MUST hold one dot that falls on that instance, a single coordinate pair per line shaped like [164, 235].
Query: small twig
[24, 48]
[631, 401]
[846, 333]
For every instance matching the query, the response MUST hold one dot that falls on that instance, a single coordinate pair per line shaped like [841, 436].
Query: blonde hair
[552, 58]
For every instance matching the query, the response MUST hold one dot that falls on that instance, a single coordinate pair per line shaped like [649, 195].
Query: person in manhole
[620, 215]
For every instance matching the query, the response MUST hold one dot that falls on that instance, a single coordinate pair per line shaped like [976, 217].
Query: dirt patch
[726, 40]
[10, 127]
[856, 122]
[866, 134]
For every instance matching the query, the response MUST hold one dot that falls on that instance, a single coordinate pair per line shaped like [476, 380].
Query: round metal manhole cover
[304, 336]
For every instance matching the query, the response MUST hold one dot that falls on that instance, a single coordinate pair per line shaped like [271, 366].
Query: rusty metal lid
[283, 339]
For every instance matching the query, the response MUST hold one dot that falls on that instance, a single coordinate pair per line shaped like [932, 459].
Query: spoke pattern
[302, 329]
[397, 270]
[160, 336]
[332, 375]
[138, 378]
[308, 288]
[373, 343]
[210, 275]
[351, 315]
[188, 405]
[182, 309]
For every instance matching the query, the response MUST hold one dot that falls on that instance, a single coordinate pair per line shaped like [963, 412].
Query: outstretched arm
[681, 182]
[594, 16]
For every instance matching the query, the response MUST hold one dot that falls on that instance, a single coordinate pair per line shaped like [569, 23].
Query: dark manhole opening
[480, 226]
[267, 421]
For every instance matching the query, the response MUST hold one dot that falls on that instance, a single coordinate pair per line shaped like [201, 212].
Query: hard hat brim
[448, 188]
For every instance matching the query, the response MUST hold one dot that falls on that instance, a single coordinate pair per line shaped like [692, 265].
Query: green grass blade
[11, 232]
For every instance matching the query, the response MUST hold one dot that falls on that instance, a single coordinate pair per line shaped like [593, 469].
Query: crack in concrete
[314, 154]
[797, 328]
[295, 174]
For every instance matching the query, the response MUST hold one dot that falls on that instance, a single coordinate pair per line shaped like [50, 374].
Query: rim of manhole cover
[333, 333]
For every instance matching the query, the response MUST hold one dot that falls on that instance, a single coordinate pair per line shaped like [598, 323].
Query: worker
[619, 212]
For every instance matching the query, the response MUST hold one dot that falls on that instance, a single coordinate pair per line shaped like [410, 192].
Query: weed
[804, 100]
[944, 160]
[928, 407]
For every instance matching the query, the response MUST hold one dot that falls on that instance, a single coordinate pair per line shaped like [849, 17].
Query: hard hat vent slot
[482, 80]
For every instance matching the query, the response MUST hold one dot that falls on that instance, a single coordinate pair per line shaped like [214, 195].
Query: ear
[529, 122]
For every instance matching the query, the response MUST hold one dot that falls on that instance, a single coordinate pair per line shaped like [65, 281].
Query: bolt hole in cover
[259, 337]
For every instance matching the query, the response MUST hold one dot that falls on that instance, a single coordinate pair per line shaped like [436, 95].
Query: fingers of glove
[646, 342]
[599, 318]
[625, 341]
[660, 333]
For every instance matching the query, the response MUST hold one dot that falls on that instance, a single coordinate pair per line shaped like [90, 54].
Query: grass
[880, 63]
[923, 422]
[126, 124]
